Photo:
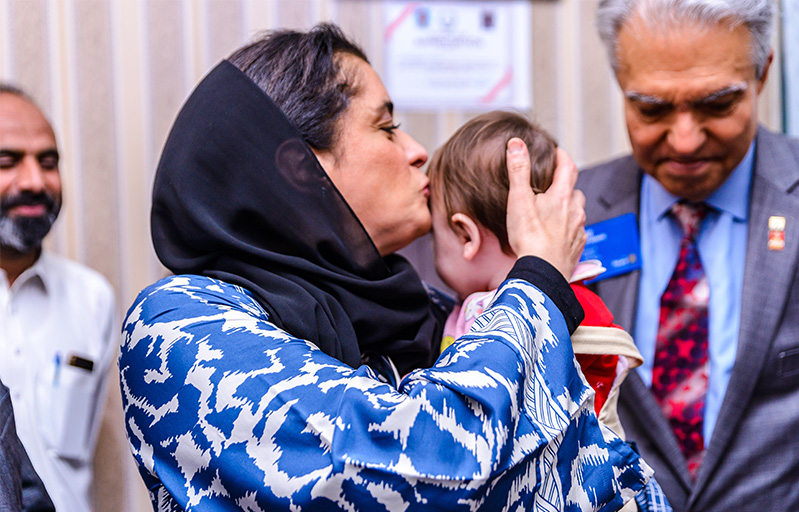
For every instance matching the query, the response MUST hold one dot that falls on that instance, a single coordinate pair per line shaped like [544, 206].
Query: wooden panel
[545, 67]
[597, 84]
[225, 29]
[130, 77]
[168, 84]
[96, 143]
[770, 106]
[295, 14]
[29, 55]
[170, 79]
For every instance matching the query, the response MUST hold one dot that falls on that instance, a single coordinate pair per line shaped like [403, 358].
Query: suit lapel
[767, 277]
[618, 197]
[637, 397]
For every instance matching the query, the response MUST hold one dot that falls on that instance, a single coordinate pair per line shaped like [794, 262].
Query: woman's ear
[468, 233]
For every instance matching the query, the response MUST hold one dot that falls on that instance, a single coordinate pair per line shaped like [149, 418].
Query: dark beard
[25, 234]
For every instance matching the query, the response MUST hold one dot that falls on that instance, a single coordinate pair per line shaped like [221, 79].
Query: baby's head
[469, 196]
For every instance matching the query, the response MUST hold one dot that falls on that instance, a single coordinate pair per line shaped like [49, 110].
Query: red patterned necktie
[680, 370]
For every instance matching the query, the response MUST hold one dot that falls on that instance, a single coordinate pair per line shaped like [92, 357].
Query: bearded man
[58, 332]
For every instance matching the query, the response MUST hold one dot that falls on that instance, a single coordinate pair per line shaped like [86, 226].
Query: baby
[468, 198]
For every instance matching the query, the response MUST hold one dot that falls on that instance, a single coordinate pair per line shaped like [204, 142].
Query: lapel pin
[776, 233]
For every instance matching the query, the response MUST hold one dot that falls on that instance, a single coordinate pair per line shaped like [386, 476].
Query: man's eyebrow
[645, 98]
[48, 153]
[713, 96]
[11, 152]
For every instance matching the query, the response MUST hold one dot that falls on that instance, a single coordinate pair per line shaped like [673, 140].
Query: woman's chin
[424, 228]
[408, 236]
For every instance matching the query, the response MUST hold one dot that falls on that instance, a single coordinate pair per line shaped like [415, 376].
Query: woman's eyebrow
[385, 108]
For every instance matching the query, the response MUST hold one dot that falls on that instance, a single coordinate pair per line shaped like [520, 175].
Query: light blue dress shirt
[722, 249]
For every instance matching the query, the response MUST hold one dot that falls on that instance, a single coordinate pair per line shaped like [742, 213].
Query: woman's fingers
[549, 225]
[520, 214]
[563, 182]
[518, 161]
[565, 176]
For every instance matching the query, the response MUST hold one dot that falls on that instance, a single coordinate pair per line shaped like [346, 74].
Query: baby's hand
[549, 225]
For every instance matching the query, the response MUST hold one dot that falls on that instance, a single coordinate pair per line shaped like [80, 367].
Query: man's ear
[468, 233]
[761, 80]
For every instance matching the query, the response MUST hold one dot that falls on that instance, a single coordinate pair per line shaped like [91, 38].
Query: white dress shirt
[57, 321]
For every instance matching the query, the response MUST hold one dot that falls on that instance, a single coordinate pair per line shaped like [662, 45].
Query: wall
[112, 75]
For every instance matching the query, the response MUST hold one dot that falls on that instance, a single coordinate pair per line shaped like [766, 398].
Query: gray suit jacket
[20, 486]
[752, 457]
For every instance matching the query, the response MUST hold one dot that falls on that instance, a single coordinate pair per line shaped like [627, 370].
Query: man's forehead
[689, 48]
[21, 123]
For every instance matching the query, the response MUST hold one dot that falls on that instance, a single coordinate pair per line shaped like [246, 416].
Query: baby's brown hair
[468, 172]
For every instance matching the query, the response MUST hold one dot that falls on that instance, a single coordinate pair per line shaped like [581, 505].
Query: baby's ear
[468, 233]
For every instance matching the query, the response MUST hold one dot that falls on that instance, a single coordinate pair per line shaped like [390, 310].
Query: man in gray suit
[691, 72]
[20, 486]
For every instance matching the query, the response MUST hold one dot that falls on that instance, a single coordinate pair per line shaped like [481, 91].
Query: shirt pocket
[65, 404]
[780, 373]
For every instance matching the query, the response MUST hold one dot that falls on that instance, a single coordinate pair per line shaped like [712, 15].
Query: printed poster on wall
[448, 54]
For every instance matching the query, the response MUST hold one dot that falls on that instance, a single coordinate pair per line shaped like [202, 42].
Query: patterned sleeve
[225, 411]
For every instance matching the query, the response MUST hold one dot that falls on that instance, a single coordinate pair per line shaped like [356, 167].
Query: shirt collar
[732, 196]
[36, 271]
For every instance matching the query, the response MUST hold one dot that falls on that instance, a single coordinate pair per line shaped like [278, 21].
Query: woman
[242, 376]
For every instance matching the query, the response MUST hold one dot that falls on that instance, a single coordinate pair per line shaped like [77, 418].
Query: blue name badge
[614, 242]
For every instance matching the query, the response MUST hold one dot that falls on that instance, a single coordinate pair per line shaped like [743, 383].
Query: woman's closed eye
[391, 130]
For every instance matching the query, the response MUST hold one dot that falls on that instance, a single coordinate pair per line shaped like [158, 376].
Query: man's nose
[686, 135]
[30, 175]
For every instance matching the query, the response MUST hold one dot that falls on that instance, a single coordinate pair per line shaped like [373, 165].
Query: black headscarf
[239, 196]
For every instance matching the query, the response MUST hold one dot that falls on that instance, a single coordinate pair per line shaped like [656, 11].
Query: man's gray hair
[756, 15]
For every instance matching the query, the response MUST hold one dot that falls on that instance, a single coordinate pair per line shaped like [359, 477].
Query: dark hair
[468, 172]
[302, 73]
[6, 88]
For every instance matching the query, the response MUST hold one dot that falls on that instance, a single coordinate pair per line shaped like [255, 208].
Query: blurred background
[112, 75]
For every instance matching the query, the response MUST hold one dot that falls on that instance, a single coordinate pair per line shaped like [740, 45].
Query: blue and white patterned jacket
[224, 411]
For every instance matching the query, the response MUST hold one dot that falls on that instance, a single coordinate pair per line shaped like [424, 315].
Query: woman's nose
[417, 154]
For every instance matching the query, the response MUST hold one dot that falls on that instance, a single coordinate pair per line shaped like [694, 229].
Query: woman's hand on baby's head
[550, 225]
